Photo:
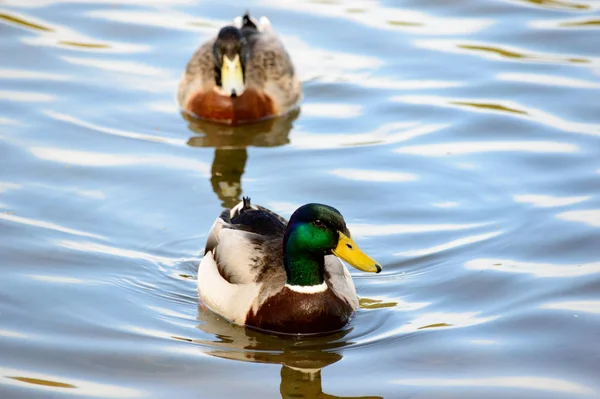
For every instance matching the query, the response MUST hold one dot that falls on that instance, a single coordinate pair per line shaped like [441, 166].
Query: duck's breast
[291, 311]
[251, 106]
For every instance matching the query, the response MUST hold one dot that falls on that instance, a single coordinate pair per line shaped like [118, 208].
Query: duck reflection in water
[231, 143]
[301, 357]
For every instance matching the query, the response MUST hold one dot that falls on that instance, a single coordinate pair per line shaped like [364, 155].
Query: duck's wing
[274, 215]
[231, 300]
[247, 217]
[199, 75]
[239, 268]
[257, 219]
[270, 70]
[246, 244]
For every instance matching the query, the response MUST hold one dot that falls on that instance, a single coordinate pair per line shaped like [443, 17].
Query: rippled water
[460, 139]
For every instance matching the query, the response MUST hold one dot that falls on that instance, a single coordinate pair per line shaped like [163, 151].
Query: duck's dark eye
[319, 223]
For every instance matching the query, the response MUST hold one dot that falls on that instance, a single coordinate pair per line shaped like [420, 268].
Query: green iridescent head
[316, 230]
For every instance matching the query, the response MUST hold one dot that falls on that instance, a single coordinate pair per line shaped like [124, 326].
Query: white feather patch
[265, 25]
[232, 301]
[237, 22]
[308, 289]
[235, 255]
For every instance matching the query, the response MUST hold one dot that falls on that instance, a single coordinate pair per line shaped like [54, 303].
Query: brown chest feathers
[295, 312]
[251, 106]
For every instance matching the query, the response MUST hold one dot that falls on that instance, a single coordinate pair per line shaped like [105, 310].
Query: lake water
[461, 141]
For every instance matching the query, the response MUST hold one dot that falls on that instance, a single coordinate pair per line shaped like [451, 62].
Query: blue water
[460, 140]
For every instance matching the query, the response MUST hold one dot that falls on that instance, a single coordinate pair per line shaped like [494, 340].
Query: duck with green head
[262, 271]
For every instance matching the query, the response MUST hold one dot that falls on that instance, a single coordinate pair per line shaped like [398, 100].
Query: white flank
[232, 301]
[235, 253]
[308, 289]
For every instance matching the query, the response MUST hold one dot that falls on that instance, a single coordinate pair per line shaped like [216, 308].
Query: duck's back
[258, 220]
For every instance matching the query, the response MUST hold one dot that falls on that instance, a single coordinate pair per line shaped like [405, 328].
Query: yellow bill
[232, 77]
[348, 251]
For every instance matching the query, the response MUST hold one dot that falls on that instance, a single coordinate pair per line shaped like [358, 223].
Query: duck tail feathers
[248, 22]
[243, 206]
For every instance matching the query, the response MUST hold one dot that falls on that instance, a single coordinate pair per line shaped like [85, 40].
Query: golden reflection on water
[491, 106]
[493, 50]
[582, 23]
[507, 108]
[166, 18]
[38, 381]
[367, 303]
[435, 325]
[404, 23]
[427, 321]
[568, 5]
[23, 22]
[301, 357]
[56, 385]
[83, 45]
[376, 14]
[55, 35]
[571, 23]
[231, 143]
[497, 51]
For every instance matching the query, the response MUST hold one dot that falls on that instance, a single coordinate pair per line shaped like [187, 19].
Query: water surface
[461, 141]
